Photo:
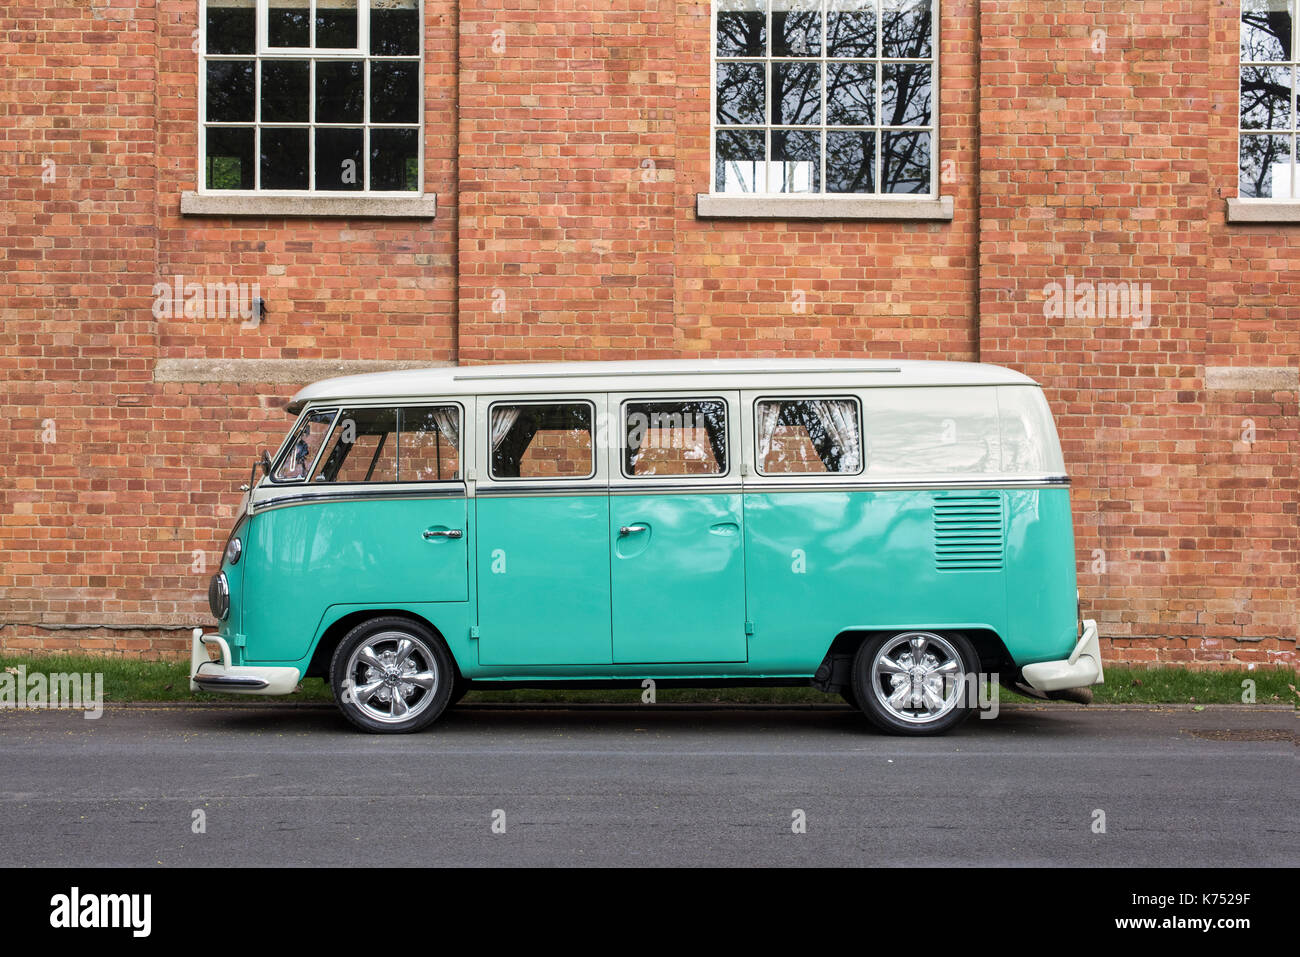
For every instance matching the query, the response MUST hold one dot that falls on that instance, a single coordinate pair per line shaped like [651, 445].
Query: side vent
[968, 532]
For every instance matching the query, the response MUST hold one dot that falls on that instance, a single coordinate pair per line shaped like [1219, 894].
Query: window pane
[230, 91]
[287, 23]
[796, 162]
[905, 28]
[798, 91]
[303, 447]
[851, 162]
[230, 26]
[1266, 170]
[808, 435]
[340, 91]
[285, 91]
[740, 162]
[1266, 98]
[394, 28]
[362, 448]
[339, 159]
[905, 162]
[336, 24]
[430, 443]
[542, 441]
[913, 430]
[905, 94]
[229, 161]
[675, 438]
[742, 28]
[395, 91]
[1266, 30]
[851, 94]
[284, 158]
[741, 89]
[796, 27]
[851, 28]
[394, 160]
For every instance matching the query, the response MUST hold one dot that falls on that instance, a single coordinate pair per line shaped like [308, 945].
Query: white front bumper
[222, 676]
[1081, 669]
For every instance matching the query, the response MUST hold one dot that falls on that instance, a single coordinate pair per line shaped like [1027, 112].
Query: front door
[543, 535]
[676, 527]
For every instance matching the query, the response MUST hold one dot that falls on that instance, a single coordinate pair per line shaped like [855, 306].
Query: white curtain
[768, 415]
[447, 419]
[503, 420]
[841, 424]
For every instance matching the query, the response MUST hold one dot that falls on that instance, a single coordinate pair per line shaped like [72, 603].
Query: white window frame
[1294, 132]
[767, 60]
[264, 52]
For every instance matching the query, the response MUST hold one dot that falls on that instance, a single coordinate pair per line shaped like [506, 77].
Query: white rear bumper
[1081, 669]
[222, 676]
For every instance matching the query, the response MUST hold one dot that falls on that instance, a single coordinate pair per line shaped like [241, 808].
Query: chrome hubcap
[392, 677]
[917, 677]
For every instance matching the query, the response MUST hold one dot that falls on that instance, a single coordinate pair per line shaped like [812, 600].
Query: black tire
[941, 646]
[426, 653]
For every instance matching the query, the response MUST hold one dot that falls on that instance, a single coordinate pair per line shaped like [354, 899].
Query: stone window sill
[1264, 210]
[344, 207]
[712, 206]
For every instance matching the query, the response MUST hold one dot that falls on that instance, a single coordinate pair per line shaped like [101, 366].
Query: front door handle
[631, 529]
[443, 533]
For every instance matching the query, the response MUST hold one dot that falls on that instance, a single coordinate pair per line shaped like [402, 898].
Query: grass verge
[128, 679]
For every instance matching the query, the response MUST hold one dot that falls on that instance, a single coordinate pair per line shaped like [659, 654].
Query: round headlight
[234, 549]
[219, 596]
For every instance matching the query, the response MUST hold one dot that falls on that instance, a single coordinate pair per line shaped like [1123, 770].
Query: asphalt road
[651, 786]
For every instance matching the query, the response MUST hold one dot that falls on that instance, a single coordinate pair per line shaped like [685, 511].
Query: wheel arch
[319, 666]
[834, 674]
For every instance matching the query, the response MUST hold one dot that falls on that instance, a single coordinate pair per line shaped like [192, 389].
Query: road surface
[658, 785]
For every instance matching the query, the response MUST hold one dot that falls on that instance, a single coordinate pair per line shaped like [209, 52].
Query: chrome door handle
[631, 529]
[444, 533]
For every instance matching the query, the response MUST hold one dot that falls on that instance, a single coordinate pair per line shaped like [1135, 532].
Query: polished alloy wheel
[917, 677]
[392, 677]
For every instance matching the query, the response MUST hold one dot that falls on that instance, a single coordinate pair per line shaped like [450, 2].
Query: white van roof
[540, 378]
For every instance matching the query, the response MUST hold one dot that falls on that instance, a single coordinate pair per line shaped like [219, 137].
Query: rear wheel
[391, 675]
[914, 682]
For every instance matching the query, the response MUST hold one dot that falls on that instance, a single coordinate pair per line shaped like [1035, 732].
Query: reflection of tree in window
[675, 438]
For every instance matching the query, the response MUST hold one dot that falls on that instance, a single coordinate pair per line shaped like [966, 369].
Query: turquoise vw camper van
[891, 531]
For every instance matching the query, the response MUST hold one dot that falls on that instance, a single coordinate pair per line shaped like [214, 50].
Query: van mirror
[265, 462]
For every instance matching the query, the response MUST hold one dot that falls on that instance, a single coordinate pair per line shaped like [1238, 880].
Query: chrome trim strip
[498, 491]
[764, 486]
[352, 494]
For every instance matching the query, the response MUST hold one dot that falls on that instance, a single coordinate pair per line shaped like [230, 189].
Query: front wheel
[914, 682]
[391, 675]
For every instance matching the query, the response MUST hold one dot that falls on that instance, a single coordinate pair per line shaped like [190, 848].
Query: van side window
[678, 437]
[932, 430]
[429, 450]
[801, 436]
[362, 448]
[541, 441]
[304, 446]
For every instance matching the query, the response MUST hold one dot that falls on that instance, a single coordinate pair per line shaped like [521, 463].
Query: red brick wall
[1107, 157]
[566, 143]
